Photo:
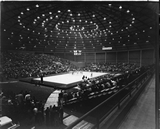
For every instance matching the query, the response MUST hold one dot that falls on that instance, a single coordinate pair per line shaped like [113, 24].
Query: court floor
[70, 77]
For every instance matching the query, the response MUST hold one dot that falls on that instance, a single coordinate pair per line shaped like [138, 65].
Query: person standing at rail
[41, 76]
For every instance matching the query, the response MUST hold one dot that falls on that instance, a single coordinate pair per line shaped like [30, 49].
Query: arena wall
[140, 57]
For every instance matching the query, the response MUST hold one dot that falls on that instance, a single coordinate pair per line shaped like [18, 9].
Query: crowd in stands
[21, 65]
[24, 106]
[107, 67]
[107, 84]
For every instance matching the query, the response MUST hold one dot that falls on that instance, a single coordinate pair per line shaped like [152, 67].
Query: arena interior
[79, 65]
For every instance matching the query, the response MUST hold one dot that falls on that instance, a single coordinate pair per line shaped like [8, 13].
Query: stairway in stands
[69, 119]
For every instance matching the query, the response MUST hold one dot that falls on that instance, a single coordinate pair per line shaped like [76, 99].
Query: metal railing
[130, 87]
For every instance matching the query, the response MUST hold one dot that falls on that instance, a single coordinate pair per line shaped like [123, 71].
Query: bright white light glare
[37, 5]
[106, 48]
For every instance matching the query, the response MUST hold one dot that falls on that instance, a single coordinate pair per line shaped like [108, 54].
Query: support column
[105, 56]
[116, 57]
[85, 57]
[140, 58]
[95, 58]
[128, 57]
[74, 58]
[153, 56]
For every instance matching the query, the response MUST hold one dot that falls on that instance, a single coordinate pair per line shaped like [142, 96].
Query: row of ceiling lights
[133, 19]
[67, 20]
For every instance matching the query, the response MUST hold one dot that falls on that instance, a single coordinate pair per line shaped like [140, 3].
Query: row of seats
[21, 65]
[103, 85]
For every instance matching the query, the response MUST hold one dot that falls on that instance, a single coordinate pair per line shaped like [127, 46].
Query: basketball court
[71, 77]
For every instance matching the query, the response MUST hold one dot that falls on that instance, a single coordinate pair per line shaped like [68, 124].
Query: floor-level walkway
[142, 114]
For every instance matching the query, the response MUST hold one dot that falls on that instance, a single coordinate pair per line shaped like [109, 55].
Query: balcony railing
[131, 88]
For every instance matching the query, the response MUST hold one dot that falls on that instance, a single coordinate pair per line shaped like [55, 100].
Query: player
[91, 74]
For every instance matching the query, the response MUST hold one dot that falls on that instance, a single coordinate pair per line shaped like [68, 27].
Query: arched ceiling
[85, 26]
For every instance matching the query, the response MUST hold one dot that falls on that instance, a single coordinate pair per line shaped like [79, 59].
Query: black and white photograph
[79, 64]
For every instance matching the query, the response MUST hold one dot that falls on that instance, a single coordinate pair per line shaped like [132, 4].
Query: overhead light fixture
[106, 48]
[110, 4]
[120, 7]
[37, 5]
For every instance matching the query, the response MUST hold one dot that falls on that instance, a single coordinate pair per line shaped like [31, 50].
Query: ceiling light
[120, 7]
[37, 5]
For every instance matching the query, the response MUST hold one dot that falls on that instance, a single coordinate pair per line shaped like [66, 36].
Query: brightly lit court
[71, 77]
[67, 79]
